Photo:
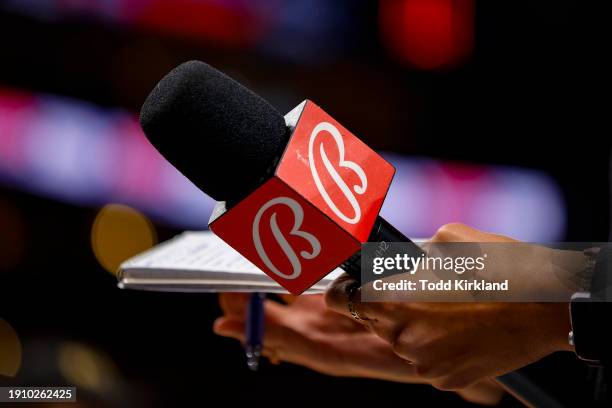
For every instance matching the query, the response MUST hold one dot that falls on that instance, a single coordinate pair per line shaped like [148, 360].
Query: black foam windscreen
[219, 134]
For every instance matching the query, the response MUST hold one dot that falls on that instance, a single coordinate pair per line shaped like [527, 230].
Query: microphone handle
[382, 232]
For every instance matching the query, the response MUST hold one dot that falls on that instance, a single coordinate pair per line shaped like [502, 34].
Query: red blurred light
[429, 34]
[217, 22]
[15, 111]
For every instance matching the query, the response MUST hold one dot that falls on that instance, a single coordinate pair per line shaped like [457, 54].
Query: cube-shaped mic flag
[318, 207]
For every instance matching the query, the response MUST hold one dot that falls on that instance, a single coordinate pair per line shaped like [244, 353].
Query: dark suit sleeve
[599, 315]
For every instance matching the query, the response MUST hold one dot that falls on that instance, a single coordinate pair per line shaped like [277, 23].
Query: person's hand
[454, 345]
[305, 332]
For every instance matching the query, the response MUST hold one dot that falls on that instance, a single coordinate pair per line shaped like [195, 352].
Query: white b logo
[298, 216]
[357, 188]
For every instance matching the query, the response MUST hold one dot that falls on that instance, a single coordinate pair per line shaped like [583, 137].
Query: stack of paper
[200, 262]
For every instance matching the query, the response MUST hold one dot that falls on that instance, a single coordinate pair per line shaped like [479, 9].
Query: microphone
[297, 195]
[242, 152]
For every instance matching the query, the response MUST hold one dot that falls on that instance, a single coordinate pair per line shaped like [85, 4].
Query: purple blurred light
[76, 152]
[521, 203]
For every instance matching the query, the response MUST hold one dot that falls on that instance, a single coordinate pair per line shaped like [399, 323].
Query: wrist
[559, 327]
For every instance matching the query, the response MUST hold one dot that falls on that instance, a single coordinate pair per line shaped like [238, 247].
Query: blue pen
[254, 330]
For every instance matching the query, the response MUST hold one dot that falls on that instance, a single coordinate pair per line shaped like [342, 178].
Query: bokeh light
[428, 34]
[118, 233]
[522, 203]
[87, 368]
[10, 350]
[74, 151]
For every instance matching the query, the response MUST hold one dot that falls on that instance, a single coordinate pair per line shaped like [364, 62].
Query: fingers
[276, 313]
[486, 392]
[232, 328]
[338, 294]
[228, 327]
[458, 379]
[280, 343]
[456, 232]
[316, 300]
[274, 336]
[344, 296]
[342, 291]
[288, 299]
[234, 304]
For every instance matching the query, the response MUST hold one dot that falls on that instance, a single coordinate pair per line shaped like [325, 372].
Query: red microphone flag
[317, 208]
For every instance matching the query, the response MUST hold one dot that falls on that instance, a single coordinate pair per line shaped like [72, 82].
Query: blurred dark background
[493, 113]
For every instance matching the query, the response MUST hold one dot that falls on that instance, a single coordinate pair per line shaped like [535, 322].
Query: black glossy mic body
[382, 232]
